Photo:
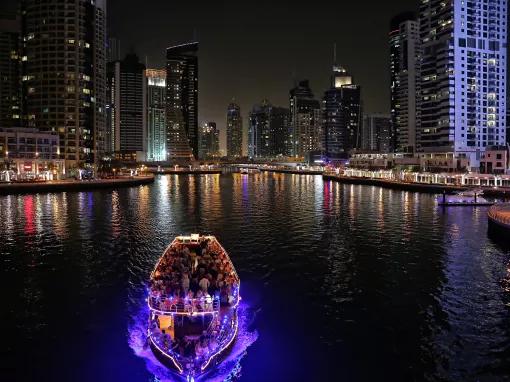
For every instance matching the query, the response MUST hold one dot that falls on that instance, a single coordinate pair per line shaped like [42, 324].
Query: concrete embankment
[185, 172]
[291, 171]
[73, 185]
[414, 187]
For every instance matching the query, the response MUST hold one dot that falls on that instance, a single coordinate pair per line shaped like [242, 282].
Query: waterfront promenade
[73, 185]
[394, 184]
[185, 171]
[426, 182]
[292, 171]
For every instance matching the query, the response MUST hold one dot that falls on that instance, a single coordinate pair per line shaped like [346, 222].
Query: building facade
[64, 74]
[113, 50]
[182, 101]
[494, 160]
[209, 141]
[268, 133]
[156, 115]
[376, 134]
[305, 120]
[10, 72]
[30, 153]
[127, 107]
[234, 131]
[405, 55]
[341, 122]
[463, 77]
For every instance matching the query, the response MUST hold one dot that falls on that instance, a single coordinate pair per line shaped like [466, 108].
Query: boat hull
[192, 328]
[164, 359]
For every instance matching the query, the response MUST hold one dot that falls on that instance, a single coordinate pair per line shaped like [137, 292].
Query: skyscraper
[305, 120]
[463, 77]
[182, 101]
[113, 50]
[64, 74]
[156, 114]
[268, 131]
[128, 107]
[209, 141]
[234, 131]
[10, 72]
[376, 133]
[405, 53]
[341, 116]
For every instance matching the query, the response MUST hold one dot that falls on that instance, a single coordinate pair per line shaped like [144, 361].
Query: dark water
[347, 283]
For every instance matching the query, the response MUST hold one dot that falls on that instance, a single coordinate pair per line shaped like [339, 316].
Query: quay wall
[73, 185]
[414, 187]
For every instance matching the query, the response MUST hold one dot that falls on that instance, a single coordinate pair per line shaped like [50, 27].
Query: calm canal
[349, 283]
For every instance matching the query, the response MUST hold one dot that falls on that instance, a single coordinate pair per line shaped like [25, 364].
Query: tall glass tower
[156, 114]
[463, 77]
[405, 54]
[234, 131]
[182, 101]
[64, 74]
[341, 124]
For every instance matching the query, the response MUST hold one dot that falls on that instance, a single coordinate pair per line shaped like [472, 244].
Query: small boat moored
[464, 199]
[249, 170]
[193, 302]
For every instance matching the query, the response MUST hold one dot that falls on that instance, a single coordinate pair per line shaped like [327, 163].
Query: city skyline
[347, 162]
[241, 47]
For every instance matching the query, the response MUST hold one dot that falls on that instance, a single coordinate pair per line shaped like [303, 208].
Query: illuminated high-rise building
[405, 53]
[305, 120]
[341, 124]
[113, 50]
[376, 133]
[64, 74]
[10, 72]
[128, 108]
[268, 131]
[156, 114]
[234, 131]
[209, 137]
[182, 101]
[463, 78]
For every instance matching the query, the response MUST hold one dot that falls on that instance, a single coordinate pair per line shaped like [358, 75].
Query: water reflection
[341, 276]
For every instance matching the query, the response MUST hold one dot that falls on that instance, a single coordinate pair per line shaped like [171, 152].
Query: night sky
[253, 50]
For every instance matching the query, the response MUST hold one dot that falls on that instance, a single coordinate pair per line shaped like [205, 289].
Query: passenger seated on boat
[182, 271]
[204, 284]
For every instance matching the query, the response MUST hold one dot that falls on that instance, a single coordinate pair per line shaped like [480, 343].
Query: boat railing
[185, 306]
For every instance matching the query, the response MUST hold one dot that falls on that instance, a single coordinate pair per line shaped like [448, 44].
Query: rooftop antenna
[195, 35]
[334, 54]
[146, 62]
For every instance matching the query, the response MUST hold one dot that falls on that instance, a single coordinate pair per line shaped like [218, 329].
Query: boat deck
[193, 298]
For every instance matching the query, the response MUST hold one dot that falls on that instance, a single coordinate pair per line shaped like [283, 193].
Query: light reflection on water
[230, 369]
[341, 276]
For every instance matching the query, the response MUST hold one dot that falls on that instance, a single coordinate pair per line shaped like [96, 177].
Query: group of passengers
[184, 274]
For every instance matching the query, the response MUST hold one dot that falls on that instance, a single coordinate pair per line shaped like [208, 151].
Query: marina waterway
[339, 282]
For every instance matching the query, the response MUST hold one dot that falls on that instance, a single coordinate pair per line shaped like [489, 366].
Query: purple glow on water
[228, 370]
